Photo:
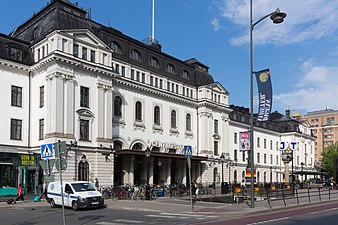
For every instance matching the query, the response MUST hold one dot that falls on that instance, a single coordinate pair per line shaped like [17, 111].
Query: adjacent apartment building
[324, 125]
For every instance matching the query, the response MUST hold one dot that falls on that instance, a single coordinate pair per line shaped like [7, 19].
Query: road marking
[190, 215]
[129, 221]
[325, 210]
[163, 216]
[269, 221]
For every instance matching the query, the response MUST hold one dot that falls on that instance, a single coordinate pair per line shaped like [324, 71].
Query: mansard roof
[61, 14]
[15, 50]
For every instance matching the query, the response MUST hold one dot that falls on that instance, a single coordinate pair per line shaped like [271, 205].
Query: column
[100, 110]
[69, 107]
[151, 170]
[109, 114]
[168, 174]
[125, 169]
[131, 170]
[184, 172]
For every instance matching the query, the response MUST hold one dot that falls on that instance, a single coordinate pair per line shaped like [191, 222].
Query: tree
[328, 157]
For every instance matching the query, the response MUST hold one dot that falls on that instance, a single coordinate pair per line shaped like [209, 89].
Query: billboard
[264, 94]
[244, 141]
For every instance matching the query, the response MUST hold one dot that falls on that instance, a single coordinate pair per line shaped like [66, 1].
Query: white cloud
[316, 89]
[216, 24]
[306, 20]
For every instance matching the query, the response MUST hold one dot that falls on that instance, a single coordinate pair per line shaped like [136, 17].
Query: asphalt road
[45, 215]
[323, 214]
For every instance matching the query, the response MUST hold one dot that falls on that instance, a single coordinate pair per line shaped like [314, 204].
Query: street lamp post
[147, 154]
[276, 17]
[222, 159]
[302, 169]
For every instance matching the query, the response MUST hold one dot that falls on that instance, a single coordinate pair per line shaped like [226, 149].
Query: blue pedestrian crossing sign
[187, 150]
[47, 151]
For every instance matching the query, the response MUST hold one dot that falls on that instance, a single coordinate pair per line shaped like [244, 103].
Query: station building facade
[111, 97]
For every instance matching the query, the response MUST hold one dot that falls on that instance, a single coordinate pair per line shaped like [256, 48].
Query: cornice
[154, 91]
[15, 65]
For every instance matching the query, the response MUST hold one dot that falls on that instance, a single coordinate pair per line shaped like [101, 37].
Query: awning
[159, 154]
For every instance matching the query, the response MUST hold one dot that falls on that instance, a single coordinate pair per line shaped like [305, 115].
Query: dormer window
[185, 75]
[170, 69]
[134, 54]
[116, 47]
[154, 63]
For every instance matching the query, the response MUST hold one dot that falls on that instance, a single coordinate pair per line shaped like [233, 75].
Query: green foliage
[328, 156]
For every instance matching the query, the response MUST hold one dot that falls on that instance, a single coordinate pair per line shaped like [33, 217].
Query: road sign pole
[189, 168]
[63, 203]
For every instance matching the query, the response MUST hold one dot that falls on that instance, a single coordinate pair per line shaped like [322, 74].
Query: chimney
[89, 14]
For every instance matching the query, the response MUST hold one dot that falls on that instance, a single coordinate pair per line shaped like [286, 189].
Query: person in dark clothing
[193, 190]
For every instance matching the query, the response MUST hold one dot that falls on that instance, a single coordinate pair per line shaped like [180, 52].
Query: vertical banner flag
[264, 94]
[244, 141]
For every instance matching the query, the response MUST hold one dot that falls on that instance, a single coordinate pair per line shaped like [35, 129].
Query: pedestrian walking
[97, 184]
[20, 194]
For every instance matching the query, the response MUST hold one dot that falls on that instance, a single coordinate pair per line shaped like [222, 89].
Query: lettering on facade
[27, 160]
[165, 146]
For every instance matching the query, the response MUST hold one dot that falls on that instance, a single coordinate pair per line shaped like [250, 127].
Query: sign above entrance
[47, 151]
[187, 150]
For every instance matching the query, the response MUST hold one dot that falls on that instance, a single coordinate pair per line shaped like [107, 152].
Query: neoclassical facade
[111, 97]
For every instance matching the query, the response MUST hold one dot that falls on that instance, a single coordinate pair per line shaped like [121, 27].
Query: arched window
[185, 74]
[117, 106]
[154, 62]
[116, 47]
[134, 54]
[137, 146]
[138, 111]
[173, 119]
[157, 115]
[170, 69]
[188, 122]
[117, 145]
[83, 170]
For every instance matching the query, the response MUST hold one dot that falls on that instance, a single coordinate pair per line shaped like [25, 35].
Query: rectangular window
[161, 83]
[177, 88]
[277, 161]
[123, 71]
[264, 142]
[215, 147]
[258, 144]
[216, 126]
[168, 86]
[183, 90]
[137, 75]
[132, 74]
[243, 156]
[235, 138]
[42, 96]
[84, 130]
[156, 82]
[270, 144]
[84, 53]
[16, 96]
[191, 93]
[151, 82]
[277, 147]
[84, 101]
[264, 158]
[75, 50]
[173, 87]
[41, 129]
[117, 68]
[92, 56]
[258, 158]
[271, 159]
[143, 77]
[16, 129]
[235, 155]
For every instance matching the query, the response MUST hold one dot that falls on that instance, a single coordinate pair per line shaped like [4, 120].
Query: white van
[77, 194]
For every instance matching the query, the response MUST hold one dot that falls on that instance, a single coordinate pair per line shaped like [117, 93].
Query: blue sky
[302, 52]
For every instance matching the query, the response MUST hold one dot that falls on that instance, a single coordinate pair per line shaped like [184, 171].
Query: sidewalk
[183, 205]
